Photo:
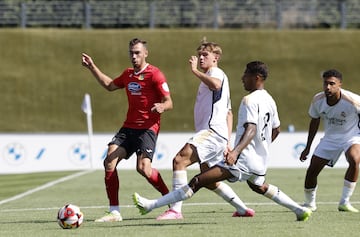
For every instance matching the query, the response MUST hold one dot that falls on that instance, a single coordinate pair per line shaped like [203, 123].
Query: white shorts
[210, 146]
[331, 150]
[242, 174]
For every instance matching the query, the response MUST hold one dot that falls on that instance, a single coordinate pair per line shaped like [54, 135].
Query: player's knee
[211, 186]
[143, 171]
[180, 162]
[109, 164]
[195, 184]
[256, 188]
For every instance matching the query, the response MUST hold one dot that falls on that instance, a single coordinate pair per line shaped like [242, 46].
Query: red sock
[158, 183]
[112, 187]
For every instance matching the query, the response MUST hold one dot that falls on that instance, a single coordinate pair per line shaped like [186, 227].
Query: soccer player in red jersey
[148, 97]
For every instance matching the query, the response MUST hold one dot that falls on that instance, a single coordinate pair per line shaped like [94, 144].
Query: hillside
[43, 83]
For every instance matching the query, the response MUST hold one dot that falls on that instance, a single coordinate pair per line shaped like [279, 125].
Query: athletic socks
[179, 180]
[275, 194]
[177, 195]
[310, 196]
[157, 182]
[112, 187]
[228, 194]
[347, 192]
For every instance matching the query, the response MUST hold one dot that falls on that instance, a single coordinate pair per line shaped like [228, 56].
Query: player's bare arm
[246, 138]
[313, 128]
[166, 104]
[103, 79]
[212, 82]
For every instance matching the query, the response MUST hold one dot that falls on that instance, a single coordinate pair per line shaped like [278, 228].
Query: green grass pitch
[25, 212]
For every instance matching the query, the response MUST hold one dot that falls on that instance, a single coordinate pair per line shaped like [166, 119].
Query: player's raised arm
[103, 79]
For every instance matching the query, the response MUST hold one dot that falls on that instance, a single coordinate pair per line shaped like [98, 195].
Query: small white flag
[86, 105]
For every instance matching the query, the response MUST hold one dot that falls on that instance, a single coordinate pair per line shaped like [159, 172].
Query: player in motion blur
[258, 125]
[148, 97]
[213, 126]
[340, 111]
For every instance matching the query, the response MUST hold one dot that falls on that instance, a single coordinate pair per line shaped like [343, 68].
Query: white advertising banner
[24, 153]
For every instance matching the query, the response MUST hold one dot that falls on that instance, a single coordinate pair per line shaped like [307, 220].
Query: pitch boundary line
[45, 186]
[184, 204]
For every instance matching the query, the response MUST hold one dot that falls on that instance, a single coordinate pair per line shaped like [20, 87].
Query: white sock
[228, 194]
[347, 192]
[179, 180]
[275, 194]
[114, 209]
[177, 195]
[310, 196]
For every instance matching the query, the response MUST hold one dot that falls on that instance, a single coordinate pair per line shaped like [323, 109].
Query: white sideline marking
[184, 204]
[47, 185]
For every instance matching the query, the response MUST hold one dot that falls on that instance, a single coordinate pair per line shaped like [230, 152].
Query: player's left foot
[248, 213]
[141, 204]
[113, 216]
[170, 215]
[303, 215]
[347, 207]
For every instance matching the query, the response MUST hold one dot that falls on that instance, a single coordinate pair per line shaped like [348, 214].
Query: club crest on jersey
[134, 88]
[141, 77]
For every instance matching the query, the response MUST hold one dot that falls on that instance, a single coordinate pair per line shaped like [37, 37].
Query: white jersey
[211, 107]
[257, 108]
[341, 121]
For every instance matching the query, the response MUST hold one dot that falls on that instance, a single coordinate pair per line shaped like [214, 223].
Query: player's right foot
[347, 208]
[170, 215]
[248, 213]
[309, 206]
[113, 216]
[303, 215]
[141, 204]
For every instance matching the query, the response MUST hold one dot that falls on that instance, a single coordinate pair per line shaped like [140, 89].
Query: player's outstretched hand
[86, 60]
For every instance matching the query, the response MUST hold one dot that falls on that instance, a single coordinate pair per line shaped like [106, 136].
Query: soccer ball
[70, 217]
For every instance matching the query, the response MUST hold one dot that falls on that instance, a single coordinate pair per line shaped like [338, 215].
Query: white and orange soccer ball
[70, 217]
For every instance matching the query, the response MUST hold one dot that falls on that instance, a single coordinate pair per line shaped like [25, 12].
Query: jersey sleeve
[160, 82]
[249, 111]
[119, 81]
[216, 73]
[315, 104]
[276, 119]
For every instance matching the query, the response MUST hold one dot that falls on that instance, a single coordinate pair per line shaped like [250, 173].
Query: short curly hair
[332, 73]
[257, 67]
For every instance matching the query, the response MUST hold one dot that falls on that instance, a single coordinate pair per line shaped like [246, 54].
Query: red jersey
[143, 89]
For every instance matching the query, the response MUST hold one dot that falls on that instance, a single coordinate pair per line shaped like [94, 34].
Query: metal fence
[216, 14]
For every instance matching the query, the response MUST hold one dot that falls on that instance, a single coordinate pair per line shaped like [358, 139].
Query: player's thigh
[185, 157]
[353, 154]
[143, 165]
[114, 155]
[316, 165]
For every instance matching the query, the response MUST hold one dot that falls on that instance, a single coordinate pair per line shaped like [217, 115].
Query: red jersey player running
[148, 97]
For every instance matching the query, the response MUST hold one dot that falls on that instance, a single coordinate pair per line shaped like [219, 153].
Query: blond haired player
[213, 126]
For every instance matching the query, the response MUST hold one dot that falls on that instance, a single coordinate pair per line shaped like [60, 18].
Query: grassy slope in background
[43, 83]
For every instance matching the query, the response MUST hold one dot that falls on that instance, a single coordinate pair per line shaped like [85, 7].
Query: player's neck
[140, 69]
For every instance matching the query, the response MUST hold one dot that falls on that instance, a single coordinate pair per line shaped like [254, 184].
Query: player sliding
[258, 126]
